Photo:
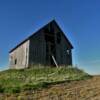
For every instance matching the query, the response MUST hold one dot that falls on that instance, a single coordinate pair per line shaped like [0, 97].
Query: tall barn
[48, 46]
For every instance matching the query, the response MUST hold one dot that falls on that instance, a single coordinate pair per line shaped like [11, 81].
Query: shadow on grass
[47, 84]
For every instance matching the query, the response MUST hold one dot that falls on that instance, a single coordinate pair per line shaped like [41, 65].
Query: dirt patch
[74, 90]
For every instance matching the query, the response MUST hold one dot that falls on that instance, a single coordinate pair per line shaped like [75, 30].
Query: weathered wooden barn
[48, 46]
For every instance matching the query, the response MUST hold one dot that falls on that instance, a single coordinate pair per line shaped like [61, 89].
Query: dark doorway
[49, 35]
[53, 53]
[15, 61]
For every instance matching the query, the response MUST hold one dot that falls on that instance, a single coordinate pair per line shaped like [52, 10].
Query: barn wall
[63, 50]
[37, 49]
[20, 56]
[62, 54]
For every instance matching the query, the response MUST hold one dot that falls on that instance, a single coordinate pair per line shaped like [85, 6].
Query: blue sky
[79, 19]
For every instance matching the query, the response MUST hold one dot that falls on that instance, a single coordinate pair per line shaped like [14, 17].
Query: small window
[68, 52]
[15, 61]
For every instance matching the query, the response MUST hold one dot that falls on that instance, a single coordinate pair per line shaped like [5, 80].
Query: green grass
[15, 81]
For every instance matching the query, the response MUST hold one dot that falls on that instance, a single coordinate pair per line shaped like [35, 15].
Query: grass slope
[15, 81]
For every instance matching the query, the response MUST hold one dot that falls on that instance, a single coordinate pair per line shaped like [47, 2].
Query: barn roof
[53, 21]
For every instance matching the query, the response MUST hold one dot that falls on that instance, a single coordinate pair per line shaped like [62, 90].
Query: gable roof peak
[52, 21]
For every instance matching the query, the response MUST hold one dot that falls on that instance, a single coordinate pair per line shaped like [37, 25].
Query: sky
[79, 20]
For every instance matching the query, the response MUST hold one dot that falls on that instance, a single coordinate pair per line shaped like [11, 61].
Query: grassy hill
[16, 81]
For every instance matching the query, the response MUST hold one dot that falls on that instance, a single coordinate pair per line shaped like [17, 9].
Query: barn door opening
[53, 54]
[49, 35]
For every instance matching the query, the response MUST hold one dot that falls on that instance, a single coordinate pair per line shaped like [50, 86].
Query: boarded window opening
[15, 61]
[49, 34]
